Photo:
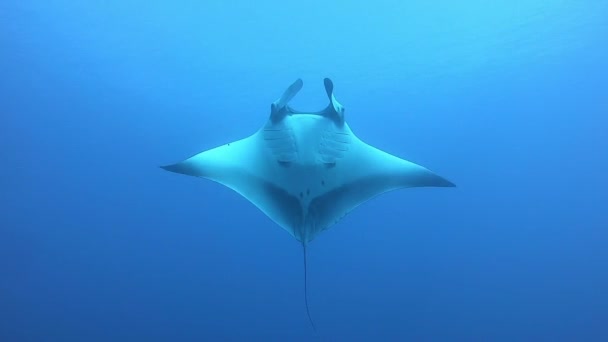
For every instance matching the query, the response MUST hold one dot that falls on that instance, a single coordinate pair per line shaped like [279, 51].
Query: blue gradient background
[508, 99]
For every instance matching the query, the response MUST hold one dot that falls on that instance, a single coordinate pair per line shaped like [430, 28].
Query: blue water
[507, 99]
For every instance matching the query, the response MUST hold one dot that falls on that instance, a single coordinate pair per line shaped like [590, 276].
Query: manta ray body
[306, 170]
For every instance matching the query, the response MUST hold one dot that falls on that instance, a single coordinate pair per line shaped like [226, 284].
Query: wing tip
[178, 168]
[447, 184]
[434, 180]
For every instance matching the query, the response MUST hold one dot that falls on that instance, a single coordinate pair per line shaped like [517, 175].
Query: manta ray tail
[306, 291]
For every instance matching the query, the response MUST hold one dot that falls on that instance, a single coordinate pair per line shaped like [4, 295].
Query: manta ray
[306, 170]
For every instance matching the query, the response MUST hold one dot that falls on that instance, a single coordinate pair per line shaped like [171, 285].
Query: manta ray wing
[245, 167]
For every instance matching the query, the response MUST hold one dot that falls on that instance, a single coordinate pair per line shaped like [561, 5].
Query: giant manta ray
[306, 170]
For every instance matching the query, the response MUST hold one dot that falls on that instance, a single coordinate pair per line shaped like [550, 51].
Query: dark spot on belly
[301, 195]
[307, 192]
[323, 182]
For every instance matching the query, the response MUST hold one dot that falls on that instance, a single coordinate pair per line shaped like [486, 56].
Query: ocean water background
[508, 99]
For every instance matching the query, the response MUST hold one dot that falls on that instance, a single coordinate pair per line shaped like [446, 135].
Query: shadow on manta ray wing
[306, 170]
